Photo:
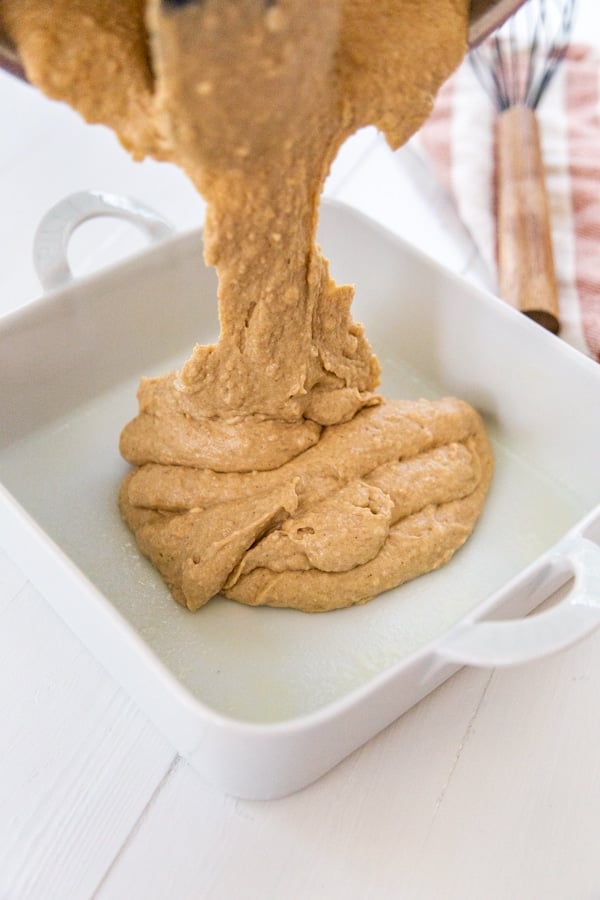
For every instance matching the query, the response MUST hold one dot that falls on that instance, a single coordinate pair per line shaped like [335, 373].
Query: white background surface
[487, 790]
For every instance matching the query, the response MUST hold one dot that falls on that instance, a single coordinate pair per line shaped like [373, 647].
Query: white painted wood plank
[50, 153]
[12, 579]
[349, 157]
[78, 761]
[397, 190]
[520, 815]
[353, 834]
[25, 118]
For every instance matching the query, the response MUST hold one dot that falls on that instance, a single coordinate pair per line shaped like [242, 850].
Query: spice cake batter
[268, 468]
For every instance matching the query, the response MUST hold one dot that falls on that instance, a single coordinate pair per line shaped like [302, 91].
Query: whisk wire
[536, 27]
[517, 64]
[515, 74]
[491, 72]
[558, 49]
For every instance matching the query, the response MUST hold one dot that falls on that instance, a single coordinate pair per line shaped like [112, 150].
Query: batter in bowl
[268, 468]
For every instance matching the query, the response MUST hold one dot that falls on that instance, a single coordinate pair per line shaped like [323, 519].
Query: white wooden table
[487, 790]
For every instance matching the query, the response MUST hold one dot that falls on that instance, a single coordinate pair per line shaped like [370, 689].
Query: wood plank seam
[459, 750]
[169, 773]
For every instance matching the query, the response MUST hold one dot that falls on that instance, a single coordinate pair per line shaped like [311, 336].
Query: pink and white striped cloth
[458, 141]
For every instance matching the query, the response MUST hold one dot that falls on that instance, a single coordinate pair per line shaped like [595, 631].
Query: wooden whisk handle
[524, 240]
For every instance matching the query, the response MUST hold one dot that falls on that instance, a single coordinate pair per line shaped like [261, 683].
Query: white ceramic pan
[263, 701]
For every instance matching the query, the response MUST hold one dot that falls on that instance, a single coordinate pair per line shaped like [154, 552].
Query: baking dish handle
[51, 240]
[510, 642]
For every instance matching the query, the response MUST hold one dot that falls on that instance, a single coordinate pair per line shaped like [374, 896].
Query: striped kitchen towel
[458, 141]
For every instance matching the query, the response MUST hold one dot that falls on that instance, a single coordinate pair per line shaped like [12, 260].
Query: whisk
[516, 67]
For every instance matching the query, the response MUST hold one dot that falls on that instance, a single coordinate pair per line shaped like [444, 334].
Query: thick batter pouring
[268, 468]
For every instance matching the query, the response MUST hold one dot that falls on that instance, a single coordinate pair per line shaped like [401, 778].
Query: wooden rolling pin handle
[524, 240]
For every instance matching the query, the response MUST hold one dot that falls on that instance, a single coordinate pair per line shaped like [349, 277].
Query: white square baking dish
[263, 701]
